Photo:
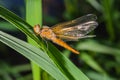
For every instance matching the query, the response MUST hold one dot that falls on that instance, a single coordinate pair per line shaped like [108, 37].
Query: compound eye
[36, 29]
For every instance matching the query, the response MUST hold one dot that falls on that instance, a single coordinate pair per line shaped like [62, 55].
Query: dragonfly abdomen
[65, 45]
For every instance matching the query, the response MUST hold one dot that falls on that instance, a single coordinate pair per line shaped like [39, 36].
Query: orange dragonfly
[69, 31]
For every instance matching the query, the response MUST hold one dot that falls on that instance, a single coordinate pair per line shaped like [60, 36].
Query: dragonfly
[68, 31]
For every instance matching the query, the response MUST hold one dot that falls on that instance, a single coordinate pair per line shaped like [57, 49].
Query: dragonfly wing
[79, 30]
[59, 27]
[76, 29]
[68, 38]
[73, 38]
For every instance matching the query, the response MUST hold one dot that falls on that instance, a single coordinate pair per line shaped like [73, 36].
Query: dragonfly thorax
[47, 33]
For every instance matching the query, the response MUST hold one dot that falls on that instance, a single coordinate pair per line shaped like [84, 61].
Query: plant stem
[33, 17]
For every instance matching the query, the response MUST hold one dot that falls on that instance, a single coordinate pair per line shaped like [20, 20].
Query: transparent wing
[77, 32]
[90, 17]
[73, 38]
[76, 28]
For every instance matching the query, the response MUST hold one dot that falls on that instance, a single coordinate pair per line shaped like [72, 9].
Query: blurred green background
[100, 56]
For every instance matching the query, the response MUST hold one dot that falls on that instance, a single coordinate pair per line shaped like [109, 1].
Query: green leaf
[92, 63]
[34, 7]
[95, 4]
[97, 76]
[93, 45]
[107, 11]
[10, 28]
[18, 22]
[32, 53]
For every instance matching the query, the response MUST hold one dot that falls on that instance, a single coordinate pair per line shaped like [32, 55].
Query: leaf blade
[32, 53]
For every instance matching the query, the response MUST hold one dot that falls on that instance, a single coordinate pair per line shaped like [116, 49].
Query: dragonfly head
[36, 29]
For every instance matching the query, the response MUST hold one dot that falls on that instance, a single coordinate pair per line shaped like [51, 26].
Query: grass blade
[32, 53]
[34, 16]
[100, 48]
